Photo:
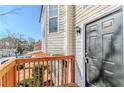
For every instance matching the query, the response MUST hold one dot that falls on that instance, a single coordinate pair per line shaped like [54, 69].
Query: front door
[104, 51]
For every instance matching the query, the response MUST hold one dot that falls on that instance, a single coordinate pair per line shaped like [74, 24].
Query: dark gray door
[104, 51]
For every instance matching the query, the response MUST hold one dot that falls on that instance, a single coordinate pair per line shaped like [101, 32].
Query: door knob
[86, 60]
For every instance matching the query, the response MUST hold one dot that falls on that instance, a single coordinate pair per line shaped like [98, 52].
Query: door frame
[83, 38]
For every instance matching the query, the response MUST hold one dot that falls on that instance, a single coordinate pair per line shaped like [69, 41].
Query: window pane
[85, 6]
[53, 18]
[53, 10]
[53, 24]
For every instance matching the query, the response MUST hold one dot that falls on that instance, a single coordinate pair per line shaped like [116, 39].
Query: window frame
[51, 18]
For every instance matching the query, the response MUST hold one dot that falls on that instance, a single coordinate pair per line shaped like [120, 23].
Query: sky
[24, 20]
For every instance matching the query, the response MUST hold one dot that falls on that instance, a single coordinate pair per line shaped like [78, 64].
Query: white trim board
[123, 32]
[66, 32]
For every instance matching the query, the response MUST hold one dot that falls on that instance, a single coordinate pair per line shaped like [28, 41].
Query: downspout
[46, 26]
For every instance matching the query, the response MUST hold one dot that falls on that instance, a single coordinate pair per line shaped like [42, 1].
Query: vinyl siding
[70, 30]
[62, 41]
[67, 41]
[55, 41]
[81, 17]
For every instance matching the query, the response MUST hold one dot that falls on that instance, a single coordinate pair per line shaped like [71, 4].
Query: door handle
[86, 60]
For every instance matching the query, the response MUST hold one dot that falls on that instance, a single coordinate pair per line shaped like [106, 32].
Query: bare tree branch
[13, 11]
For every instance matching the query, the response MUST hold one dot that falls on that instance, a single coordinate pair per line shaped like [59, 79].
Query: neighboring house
[37, 45]
[93, 34]
[7, 53]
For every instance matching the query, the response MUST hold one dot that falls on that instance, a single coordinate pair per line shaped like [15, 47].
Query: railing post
[11, 77]
[15, 76]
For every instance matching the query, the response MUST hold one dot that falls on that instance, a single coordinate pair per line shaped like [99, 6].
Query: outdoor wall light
[78, 29]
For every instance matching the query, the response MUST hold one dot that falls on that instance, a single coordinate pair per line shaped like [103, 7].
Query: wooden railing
[36, 72]
[8, 74]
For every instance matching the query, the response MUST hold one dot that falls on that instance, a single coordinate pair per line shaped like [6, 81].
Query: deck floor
[70, 85]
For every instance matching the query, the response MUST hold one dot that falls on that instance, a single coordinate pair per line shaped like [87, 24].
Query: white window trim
[53, 17]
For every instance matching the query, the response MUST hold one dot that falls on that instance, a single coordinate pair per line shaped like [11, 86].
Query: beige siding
[67, 41]
[55, 41]
[70, 30]
[81, 17]
[63, 40]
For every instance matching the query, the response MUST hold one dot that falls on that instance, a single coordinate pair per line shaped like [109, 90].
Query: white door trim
[83, 52]
[123, 31]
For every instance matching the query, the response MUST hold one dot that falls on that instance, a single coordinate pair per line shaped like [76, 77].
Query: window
[84, 6]
[53, 18]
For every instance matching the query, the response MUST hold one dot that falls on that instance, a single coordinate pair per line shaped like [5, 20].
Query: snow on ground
[4, 60]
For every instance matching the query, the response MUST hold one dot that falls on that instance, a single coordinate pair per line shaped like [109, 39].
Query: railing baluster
[58, 72]
[38, 74]
[6, 80]
[72, 70]
[47, 73]
[18, 74]
[67, 70]
[55, 72]
[3, 81]
[34, 75]
[43, 74]
[0, 82]
[51, 74]
[64, 71]
[15, 75]
[29, 74]
[24, 74]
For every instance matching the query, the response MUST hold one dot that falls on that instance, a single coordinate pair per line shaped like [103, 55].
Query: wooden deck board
[69, 85]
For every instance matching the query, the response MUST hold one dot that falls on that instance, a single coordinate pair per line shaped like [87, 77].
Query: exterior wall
[44, 25]
[70, 30]
[82, 17]
[61, 42]
[55, 39]
[67, 41]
